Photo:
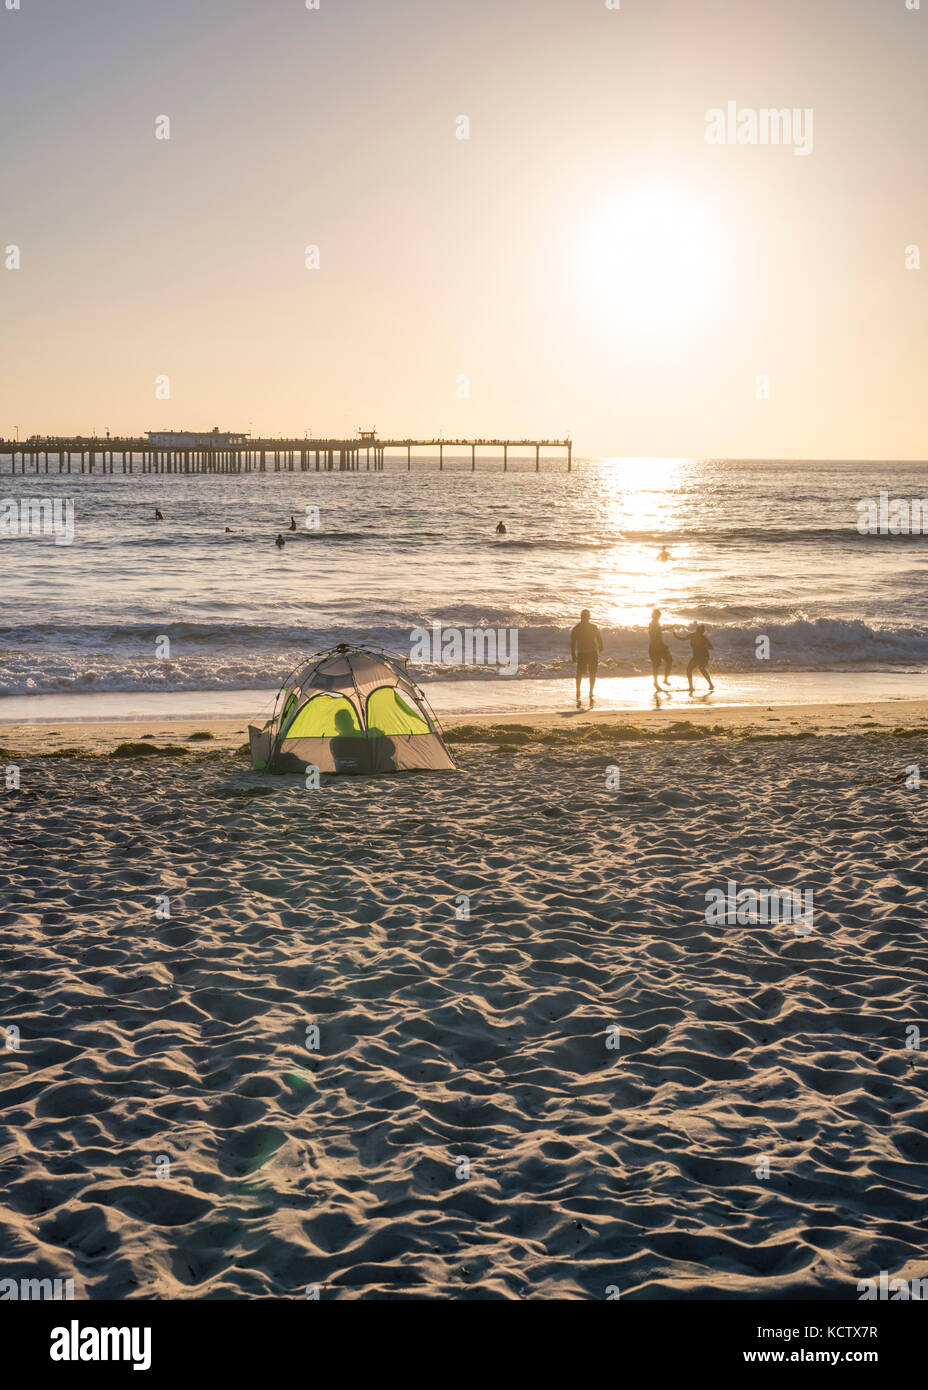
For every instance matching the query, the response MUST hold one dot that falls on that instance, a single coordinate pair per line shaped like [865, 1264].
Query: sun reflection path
[642, 501]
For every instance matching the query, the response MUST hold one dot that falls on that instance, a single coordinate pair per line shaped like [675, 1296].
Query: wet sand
[98, 736]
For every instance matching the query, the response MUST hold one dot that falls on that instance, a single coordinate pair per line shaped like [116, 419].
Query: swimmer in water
[501, 529]
[159, 516]
[228, 530]
[292, 526]
[664, 554]
[280, 542]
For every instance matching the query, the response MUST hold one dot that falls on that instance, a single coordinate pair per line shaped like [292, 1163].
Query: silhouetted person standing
[658, 650]
[585, 645]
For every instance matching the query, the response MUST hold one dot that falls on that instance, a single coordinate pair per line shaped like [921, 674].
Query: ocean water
[767, 549]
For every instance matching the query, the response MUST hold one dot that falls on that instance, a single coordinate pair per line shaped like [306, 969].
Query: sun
[652, 257]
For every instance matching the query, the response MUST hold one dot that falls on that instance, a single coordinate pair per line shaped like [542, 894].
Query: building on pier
[188, 439]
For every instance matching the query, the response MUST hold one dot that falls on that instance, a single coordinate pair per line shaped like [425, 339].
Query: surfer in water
[292, 526]
[501, 528]
[159, 516]
[280, 542]
[585, 645]
[699, 661]
[658, 650]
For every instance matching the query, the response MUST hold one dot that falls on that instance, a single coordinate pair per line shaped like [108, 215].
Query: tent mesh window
[326, 716]
[389, 714]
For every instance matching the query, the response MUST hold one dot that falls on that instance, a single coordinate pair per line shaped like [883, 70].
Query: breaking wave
[47, 658]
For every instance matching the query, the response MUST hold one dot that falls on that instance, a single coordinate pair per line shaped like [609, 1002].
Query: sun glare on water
[641, 503]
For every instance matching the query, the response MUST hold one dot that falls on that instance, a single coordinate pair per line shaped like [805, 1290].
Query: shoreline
[462, 697]
[101, 737]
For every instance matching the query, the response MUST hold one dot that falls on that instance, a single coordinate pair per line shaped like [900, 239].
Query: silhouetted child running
[700, 647]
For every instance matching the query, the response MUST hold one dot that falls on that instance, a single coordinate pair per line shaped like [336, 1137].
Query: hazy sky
[585, 259]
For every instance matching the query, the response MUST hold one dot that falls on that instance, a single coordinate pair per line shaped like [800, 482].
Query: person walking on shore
[658, 650]
[585, 645]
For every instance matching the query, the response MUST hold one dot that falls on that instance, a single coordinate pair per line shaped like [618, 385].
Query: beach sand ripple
[170, 1128]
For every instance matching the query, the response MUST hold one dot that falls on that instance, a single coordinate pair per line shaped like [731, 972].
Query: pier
[367, 453]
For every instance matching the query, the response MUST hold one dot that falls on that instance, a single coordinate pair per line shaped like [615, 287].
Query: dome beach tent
[350, 710]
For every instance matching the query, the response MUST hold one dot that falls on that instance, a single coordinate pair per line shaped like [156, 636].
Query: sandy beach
[565, 1086]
